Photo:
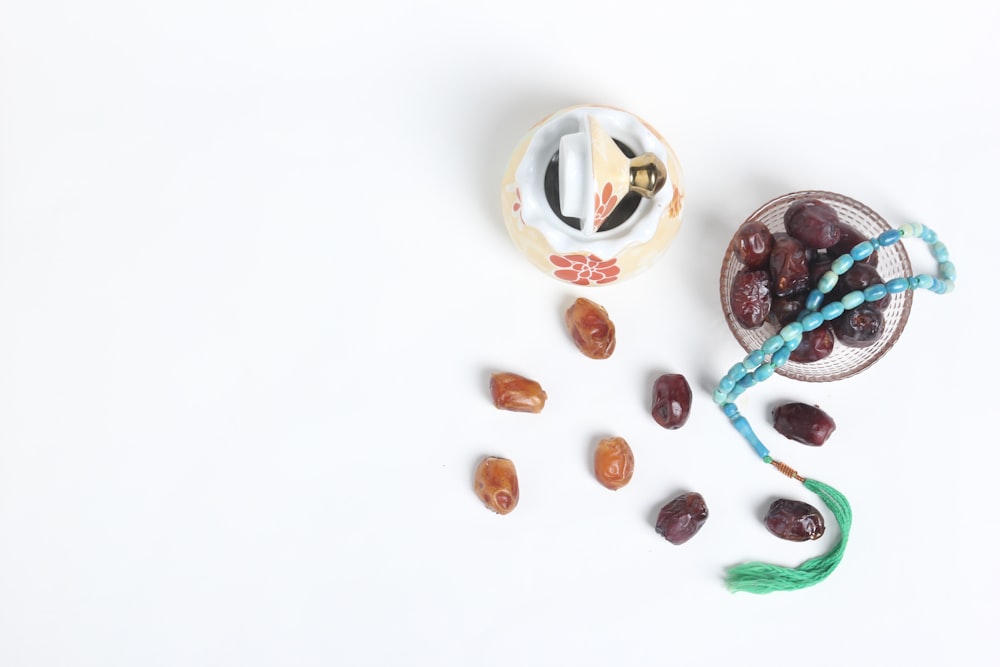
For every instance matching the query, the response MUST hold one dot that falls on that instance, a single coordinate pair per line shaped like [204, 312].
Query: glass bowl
[844, 361]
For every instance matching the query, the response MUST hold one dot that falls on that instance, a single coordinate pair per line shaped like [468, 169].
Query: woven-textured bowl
[893, 262]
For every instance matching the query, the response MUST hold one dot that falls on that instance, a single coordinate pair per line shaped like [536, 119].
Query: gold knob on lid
[646, 175]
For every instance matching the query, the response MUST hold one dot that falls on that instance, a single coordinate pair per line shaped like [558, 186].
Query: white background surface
[254, 277]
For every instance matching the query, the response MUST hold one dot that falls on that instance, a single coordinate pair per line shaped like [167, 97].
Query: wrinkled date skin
[671, 400]
[785, 309]
[859, 327]
[816, 344]
[592, 330]
[803, 423]
[750, 298]
[614, 463]
[789, 266]
[752, 244]
[794, 520]
[495, 483]
[682, 518]
[516, 393]
[813, 222]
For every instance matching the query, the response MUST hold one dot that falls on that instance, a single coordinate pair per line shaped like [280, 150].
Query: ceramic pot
[592, 195]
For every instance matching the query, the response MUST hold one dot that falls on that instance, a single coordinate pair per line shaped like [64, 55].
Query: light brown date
[614, 463]
[516, 393]
[592, 330]
[495, 483]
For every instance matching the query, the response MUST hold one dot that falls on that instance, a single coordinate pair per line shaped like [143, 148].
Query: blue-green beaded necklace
[761, 363]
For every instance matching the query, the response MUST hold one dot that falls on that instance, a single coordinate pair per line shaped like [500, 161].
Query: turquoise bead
[790, 331]
[811, 321]
[727, 383]
[730, 410]
[814, 300]
[772, 344]
[743, 427]
[842, 264]
[925, 281]
[897, 285]
[827, 281]
[940, 252]
[947, 270]
[736, 372]
[832, 311]
[875, 292]
[888, 237]
[862, 250]
[853, 299]
[764, 372]
[753, 360]
[720, 396]
[746, 381]
[780, 358]
[929, 235]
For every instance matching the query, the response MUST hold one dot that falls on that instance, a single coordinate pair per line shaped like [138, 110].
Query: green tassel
[766, 578]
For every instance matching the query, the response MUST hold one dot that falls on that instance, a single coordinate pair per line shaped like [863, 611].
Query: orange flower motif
[585, 269]
[518, 207]
[604, 203]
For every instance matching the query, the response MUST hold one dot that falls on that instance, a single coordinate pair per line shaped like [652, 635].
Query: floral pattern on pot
[585, 269]
[518, 207]
[604, 203]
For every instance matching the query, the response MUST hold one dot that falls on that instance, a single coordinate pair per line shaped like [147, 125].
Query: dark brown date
[785, 309]
[671, 400]
[681, 518]
[750, 298]
[794, 520]
[752, 244]
[814, 223]
[803, 423]
[859, 327]
[789, 266]
[816, 344]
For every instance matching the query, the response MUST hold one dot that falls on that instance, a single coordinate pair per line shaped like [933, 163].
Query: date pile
[592, 331]
[782, 268]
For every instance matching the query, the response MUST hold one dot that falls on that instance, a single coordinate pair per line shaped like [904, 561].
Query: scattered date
[614, 463]
[516, 393]
[592, 330]
[682, 518]
[803, 423]
[495, 483]
[671, 400]
[794, 520]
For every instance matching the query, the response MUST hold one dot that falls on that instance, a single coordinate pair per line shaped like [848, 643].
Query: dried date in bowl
[843, 361]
